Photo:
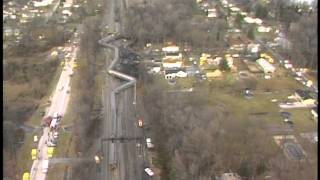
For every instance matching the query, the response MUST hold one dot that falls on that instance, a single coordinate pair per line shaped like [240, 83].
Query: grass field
[24, 155]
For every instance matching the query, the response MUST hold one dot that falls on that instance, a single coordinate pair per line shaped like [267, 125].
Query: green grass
[241, 108]
[57, 172]
[24, 155]
[302, 120]
[36, 118]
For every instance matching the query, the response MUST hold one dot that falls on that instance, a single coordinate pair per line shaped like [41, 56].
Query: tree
[251, 33]
[304, 42]
[239, 20]
[224, 65]
[261, 11]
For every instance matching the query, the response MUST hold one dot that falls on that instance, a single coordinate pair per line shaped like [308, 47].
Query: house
[266, 66]
[172, 73]
[216, 61]
[229, 176]
[181, 74]
[172, 52]
[167, 64]
[263, 29]
[212, 13]
[304, 97]
[253, 48]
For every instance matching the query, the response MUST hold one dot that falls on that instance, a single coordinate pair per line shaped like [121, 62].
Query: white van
[149, 171]
[149, 143]
[45, 165]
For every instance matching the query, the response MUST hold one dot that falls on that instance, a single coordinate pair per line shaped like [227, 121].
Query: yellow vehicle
[50, 152]
[33, 154]
[74, 65]
[26, 176]
[271, 60]
[62, 63]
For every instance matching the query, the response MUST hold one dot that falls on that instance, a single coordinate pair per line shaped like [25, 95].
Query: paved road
[59, 103]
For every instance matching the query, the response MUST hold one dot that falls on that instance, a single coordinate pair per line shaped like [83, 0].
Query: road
[59, 103]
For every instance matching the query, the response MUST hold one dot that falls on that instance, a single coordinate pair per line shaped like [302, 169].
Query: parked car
[285, 115]
[149, 143]
[289, 122]
[149, 171]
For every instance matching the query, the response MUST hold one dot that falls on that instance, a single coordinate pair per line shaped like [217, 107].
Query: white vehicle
[45, 165]
[267, 76]
[149, 143]
[149, 171]
[55, 115]
[55, 135]
[235, 55]
[288, 66]
[50, 143]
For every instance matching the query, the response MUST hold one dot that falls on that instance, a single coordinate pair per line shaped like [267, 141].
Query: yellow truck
[50, 152]
[33, 154]
[26, 176]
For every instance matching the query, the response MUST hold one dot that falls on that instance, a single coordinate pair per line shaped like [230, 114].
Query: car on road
[35, 139]
[149, 171]
[51, 144]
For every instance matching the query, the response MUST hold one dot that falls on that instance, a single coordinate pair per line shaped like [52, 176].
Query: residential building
[172, 57]
[172, 52]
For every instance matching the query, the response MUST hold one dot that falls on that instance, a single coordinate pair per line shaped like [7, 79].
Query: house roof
[304, 94]
[171, 71]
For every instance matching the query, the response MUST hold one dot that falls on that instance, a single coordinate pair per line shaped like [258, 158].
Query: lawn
[36, 118]
[24, 155]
